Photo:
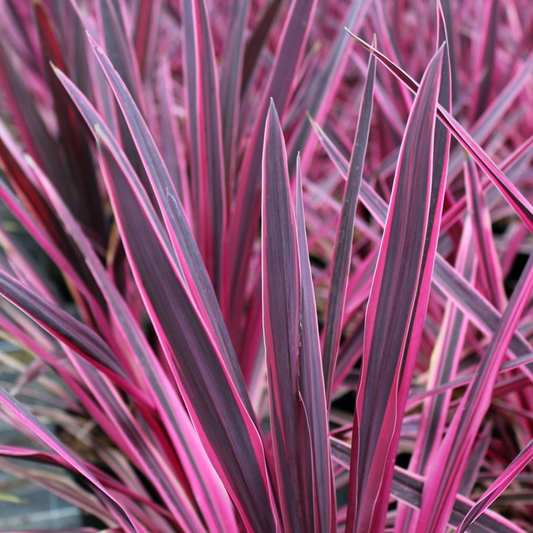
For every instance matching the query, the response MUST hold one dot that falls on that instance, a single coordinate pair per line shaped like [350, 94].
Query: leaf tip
[272, 111]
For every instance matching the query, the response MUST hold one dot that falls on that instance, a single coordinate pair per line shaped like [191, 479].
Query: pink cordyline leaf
[256, 42]
[444, 472]
[489, 264]
[40, 231]
[466, 379]
[111, 31]
[435, 413]
[247, 480]
[87, 207]
[290, 429]
[62, 486]
[407, 488]
[188, 262]
[14, 168]
[205, 133]
[218, 412]
[445, 277]
[225, 413]
[231, 76]
[115, 418]
[392, 338]
[516, 199]
[69, 331]
[220, 416]
[340, 269]
[171, 141]
[211, 497]
[485, 66]
[119, 47]
[476, 460]
[312, 388]
[247, 206]
[69, 530]
[320, 97]
[510, 166]
[107, 480]
[493, 114]
[37, 138]
[20, 413]
[148, 14]
[443, 369]
[498, 486]
[198, 367]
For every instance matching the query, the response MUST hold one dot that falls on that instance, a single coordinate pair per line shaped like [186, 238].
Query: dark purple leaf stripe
[172, 148]
[256, 41]
[118, 47]
[486, 59]
[342, 253]
[113, 34]
[230, 91]
[147, 19]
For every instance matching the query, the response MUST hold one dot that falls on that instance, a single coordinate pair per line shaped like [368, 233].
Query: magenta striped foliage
[261, 275]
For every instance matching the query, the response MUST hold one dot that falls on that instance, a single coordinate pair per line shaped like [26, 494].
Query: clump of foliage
[263, 275]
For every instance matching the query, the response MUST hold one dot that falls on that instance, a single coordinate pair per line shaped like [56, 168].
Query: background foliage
[264, 275]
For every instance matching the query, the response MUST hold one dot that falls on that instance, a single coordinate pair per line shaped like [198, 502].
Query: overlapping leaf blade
[516, 199]
[216, 407]
[392, 338]
[211, 497]
[449, 463]
[445, 277]
[205, 132]
[312, 387]
[281, 324]
[247, 202]
[343, 245]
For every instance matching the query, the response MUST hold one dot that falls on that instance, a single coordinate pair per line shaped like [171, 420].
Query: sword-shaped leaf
[281, 325]
[342, 253]
[396, 311]
[312, 387]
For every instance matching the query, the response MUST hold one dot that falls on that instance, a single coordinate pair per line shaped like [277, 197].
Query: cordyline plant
[258, 277]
